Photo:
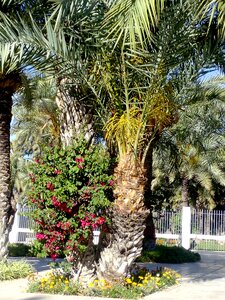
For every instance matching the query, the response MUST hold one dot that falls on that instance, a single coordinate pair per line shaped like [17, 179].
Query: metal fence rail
[194, 229]
[204, 231]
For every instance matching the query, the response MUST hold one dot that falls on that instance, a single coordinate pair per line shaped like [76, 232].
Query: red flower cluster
[79, 160]
[50, 186]
[40, 236]
[92, 221]
[57, 172]
[61, 205]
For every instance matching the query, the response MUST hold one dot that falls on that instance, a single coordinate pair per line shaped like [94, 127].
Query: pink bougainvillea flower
[50, 186]
[111, 182]
[79, 160]
[56, 172]
[40, 236]
[101, 220]
[54, 256]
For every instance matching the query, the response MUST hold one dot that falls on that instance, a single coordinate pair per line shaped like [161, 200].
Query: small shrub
[18, 249]
[14, 269]
[164, 254]
[37, 249]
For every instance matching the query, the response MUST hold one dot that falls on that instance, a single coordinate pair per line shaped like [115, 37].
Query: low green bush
[14, 269]
[37, 249]
[19, 249]
[173, 255]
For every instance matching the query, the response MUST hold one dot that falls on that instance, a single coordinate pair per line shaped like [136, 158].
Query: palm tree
[215, 11]
[35, 118]
[146, 98]
[13, 59]
[144, 101]
[192, 151]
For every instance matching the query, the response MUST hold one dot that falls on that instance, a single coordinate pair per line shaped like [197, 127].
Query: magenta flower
[40, 236]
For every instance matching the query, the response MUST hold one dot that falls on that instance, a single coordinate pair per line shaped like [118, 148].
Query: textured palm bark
[6, 208]
[75, 116]
[128, 219]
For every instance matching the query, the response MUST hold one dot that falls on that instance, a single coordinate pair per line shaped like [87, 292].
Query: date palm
[14, 59]
[145, 100]
[192, 151]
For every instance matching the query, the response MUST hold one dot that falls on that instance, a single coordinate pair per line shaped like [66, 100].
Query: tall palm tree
[192, 151]
[14, 59]
[215, 10]
[144, 101]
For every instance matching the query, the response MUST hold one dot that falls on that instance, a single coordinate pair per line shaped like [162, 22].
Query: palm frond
[133, 21]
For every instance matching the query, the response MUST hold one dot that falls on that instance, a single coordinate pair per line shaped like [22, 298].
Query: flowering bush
[71, 190]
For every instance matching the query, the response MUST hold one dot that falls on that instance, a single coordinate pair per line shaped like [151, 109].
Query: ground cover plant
[141, 282]
[172, 254]
[14, 269]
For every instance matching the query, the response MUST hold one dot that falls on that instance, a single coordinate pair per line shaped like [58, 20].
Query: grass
[172, 254]
[208, 245]
[14, 269]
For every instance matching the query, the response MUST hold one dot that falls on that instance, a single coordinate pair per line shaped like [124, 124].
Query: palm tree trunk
[6, 209]
[75, 117]
[128, 219]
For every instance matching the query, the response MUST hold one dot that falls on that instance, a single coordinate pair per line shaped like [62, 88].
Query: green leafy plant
[37, 249]
[70, 193]
[173, 254]
[14, 269]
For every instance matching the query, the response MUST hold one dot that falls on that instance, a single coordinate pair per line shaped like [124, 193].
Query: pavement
[200, 280]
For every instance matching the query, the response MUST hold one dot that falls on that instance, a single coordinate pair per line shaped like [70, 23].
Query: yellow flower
[128, 280]
[134, 283]
[91, 284]
[66, 281]
[140, 277]
[145, 281]
[140, 284]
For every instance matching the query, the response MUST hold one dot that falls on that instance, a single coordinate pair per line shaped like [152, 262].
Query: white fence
[193, 229]
[22, 227]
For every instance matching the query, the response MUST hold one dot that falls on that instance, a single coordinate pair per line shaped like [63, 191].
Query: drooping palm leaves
[191, 153]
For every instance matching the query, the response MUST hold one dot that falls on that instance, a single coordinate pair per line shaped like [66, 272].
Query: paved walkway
[201, 280]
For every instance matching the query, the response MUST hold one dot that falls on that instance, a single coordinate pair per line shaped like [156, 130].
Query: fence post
[186, 227]
[13, 235]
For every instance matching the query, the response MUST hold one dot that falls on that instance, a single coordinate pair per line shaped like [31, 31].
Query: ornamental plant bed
[140, 283]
